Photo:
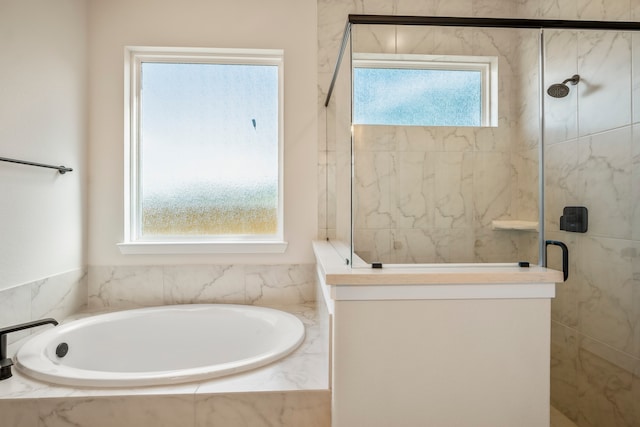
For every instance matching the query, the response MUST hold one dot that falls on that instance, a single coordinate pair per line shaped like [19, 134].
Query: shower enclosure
[557, 109]
[437, 191]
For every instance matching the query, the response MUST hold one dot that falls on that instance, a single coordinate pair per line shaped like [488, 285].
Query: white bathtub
[161, 345]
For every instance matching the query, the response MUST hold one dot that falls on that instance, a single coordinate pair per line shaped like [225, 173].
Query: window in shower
[424, 90]
[205, 157]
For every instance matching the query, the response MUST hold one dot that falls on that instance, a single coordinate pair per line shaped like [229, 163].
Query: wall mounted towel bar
[61, 169]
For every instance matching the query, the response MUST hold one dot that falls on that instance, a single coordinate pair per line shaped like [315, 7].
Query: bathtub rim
[103, 379]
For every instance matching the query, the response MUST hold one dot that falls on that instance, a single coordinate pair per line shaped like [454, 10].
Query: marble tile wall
[58, 296]
[429, 195]
[139, 286]
[592, 156]
[592, 143]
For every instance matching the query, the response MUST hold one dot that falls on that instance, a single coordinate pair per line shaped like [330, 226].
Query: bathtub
[160, 345]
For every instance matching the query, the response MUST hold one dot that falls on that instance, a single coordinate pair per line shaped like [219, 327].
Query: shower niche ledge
[413, 345]
[514, 224]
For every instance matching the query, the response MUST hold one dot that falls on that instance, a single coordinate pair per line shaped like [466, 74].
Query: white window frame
[487, 65]
[133, 242]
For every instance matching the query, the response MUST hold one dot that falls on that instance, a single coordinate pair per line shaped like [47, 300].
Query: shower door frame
[473, 22]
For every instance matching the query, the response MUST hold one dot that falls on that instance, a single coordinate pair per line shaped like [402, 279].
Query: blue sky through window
[417, 97]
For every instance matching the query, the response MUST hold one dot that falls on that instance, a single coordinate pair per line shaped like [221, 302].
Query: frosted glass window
[417, 97]
[207, 149]
[425, 90]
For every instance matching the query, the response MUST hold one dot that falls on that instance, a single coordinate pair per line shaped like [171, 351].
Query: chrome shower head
[560, 90]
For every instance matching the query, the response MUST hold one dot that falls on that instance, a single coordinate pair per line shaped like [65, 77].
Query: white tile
[59, 296]
[604, 65]
[606, 291]
[204, 284]
[280, 284]
[125, 286]
[16, 309]
[604, 182]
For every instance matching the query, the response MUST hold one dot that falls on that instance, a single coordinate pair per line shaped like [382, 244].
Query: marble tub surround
[291, 392]
[57, 296]
[139, 286]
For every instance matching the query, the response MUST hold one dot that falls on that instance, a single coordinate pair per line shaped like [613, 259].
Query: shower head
[560, 90]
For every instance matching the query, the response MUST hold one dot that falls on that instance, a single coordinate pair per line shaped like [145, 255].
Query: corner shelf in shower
[514, 224]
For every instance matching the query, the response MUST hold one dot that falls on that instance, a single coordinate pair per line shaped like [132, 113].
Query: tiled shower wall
[592, 159]
[428, 195]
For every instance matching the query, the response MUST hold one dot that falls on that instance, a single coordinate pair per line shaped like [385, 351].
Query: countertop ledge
[337, 273]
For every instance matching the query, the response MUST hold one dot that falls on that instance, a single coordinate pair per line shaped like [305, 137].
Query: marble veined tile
[420, 8]
[280, 284]
[372, 196]
[435, 40]
[309, 409]
[23, 413]
[606, 10]
[635, 184]
[559, 9]
[606, 390]
[604, 173]
[561, 63]
[376, 138]
[453, 189]
[494, 8]
[374, 244]
[204, 284]
[492, 187]
[526, 197]
[413, 194]
[374, 38]
[558, 419]
[635, 263]
[606, 309]
[125, 286]
[59, 296]
[332, 17]
[16, 308]
[415, 39]
[420, 246]
[561, 181]
[564, 370]
[495, 246]
[126, 411]
[635, 77]
[500, 42]
[604, 65]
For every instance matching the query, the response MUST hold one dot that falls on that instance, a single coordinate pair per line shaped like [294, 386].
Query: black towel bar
[61, 169]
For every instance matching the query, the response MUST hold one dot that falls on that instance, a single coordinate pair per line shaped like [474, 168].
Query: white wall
[281, 24]
[43, 97]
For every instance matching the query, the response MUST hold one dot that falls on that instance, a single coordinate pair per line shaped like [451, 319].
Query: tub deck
[292, 391]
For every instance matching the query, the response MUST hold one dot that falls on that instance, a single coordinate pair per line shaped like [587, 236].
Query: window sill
[234, 247]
